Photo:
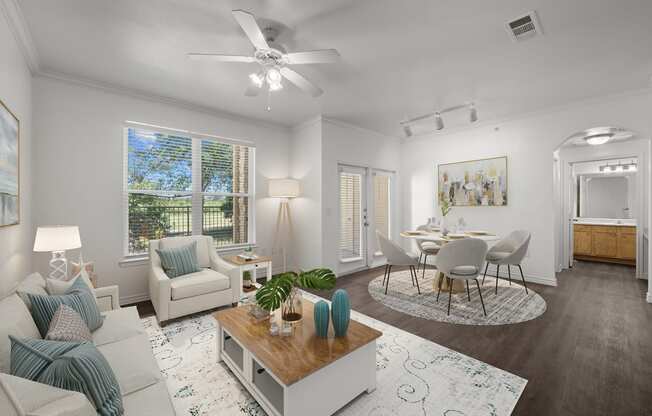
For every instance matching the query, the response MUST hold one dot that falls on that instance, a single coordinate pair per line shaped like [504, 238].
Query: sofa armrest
[108, 298]
[160, 292]
[220, 265]
[19, 396]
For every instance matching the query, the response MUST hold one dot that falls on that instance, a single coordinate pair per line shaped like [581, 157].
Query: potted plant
[283, 291]
[246, 279]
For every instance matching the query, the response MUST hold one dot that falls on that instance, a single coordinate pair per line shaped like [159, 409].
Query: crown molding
[16, 21]
[161, 99]
[358, 128]
[307, 123]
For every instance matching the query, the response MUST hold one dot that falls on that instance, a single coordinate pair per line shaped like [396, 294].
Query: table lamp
[57, 239]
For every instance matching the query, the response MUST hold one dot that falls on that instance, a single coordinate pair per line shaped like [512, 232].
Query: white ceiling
[399, 58]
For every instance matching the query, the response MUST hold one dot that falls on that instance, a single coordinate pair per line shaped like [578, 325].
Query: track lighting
[473, 116]
[439, 122]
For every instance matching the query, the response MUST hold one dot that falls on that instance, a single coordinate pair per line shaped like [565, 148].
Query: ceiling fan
[273, 59]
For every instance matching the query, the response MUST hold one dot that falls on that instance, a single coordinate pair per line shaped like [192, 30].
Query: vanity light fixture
[439, 122]
[619, 167]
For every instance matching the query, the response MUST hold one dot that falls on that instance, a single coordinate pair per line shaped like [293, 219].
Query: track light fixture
[439, 122]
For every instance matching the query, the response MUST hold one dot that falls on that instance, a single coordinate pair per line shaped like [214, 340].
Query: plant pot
[292, 308]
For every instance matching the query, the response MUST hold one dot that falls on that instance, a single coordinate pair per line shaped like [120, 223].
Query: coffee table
[301, 374]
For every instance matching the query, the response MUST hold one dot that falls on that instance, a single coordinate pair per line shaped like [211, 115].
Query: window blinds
[177, 185]
[350, 215]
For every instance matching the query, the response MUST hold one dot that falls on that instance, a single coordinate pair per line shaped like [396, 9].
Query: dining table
[436, 236]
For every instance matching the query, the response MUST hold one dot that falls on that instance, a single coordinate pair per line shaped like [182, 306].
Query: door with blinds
[353, 216]
[365, 206]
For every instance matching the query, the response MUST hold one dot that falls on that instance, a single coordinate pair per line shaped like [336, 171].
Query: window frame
[196, 194]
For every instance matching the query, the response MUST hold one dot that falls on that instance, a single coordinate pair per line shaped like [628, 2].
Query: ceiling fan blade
[322, 56]
[301, 82]
[247, 22]
[252, 91]
[220, 58]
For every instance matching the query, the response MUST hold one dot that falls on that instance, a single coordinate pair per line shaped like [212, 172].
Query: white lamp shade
[284, 188]
[58, 238]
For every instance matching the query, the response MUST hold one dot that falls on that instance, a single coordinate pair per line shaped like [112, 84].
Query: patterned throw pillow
[69, 365]
[68, 325]
[79, 297]
[179, 260]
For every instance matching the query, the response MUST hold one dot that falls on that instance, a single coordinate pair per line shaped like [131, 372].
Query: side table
[252, 265]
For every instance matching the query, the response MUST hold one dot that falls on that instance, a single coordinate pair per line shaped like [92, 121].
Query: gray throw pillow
[68, 325]
[69, 365]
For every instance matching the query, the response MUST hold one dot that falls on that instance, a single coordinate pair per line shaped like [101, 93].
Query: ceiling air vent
[524, 27]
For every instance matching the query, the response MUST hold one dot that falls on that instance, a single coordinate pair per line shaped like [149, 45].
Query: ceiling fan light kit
[272, 58]
[439, 122]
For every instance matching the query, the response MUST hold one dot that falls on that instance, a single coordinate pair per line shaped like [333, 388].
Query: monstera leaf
[273, 293]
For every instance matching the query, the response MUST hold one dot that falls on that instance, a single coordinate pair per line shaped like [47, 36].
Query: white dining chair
[462, 260]
[509, 251]
[426, 248]
[396, 256]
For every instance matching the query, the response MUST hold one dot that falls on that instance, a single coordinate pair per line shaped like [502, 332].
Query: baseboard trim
[516, 276]
[128, 300]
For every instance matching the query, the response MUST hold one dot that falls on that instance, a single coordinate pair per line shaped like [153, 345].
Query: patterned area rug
[414, 376]
[510, 306]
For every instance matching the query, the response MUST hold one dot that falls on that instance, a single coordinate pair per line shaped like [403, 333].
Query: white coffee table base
[321, 393]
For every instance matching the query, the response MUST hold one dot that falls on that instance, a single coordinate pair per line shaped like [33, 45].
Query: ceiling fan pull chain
[269, 100]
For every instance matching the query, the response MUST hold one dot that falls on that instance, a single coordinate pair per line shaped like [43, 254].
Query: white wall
[343, 143]
[78, 157]
[528, 143]
[306, 210]
[16, 93]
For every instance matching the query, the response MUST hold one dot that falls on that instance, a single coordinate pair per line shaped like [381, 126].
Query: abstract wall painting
[474, 182]
[9, 175]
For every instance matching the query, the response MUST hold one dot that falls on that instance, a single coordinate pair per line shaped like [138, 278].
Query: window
[181, 184]
[381, 204]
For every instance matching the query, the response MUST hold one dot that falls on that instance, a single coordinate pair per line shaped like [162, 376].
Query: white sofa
[217, 284]
[121, 339]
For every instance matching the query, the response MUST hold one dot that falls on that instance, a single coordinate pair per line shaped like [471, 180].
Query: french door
[366, 197]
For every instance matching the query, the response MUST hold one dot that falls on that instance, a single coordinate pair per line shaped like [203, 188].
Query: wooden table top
[241, 262]
[294, 357]
[437, 236]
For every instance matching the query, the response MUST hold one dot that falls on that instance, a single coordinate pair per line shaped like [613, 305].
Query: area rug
[414, 376]
[512, 305]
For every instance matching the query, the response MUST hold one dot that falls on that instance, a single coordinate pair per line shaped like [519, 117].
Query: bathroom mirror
[604, 196]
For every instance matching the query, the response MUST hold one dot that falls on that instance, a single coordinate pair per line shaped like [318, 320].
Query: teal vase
[340, 312]
[322, 319]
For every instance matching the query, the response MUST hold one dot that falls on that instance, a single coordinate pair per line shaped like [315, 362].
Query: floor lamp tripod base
[58, 266]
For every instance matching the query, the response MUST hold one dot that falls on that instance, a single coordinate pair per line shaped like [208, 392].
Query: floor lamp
[285, 189]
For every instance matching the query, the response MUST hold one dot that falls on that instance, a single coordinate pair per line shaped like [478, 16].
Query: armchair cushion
[204, 246]
[179, 261]
[199, 283]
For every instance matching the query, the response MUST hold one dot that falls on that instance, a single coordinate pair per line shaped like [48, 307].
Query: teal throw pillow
[179, 260]
[71, 366]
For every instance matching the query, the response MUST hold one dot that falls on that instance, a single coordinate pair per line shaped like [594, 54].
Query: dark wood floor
[589, 354]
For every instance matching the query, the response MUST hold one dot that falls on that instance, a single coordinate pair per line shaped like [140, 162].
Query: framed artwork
[9, 169]
[480, 182]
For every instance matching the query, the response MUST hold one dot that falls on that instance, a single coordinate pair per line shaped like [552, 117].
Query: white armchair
[217, 284]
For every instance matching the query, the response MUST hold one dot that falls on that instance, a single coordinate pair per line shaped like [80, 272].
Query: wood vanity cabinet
[606, 243]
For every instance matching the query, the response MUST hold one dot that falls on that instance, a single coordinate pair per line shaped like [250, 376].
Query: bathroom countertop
[607, 222]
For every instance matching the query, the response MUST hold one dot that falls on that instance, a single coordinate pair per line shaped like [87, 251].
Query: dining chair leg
[416, 279]
[485, 272]
[411, 274]
[385, 274]
[509, 274]
[389, 272]
[497, 273]
[468, 292]
[425, 259]
[450, 295]
[441, 280]
[481, 301]
[523, 278]
[419, 262]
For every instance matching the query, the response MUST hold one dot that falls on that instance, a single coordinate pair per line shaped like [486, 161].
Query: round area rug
[510, 306]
